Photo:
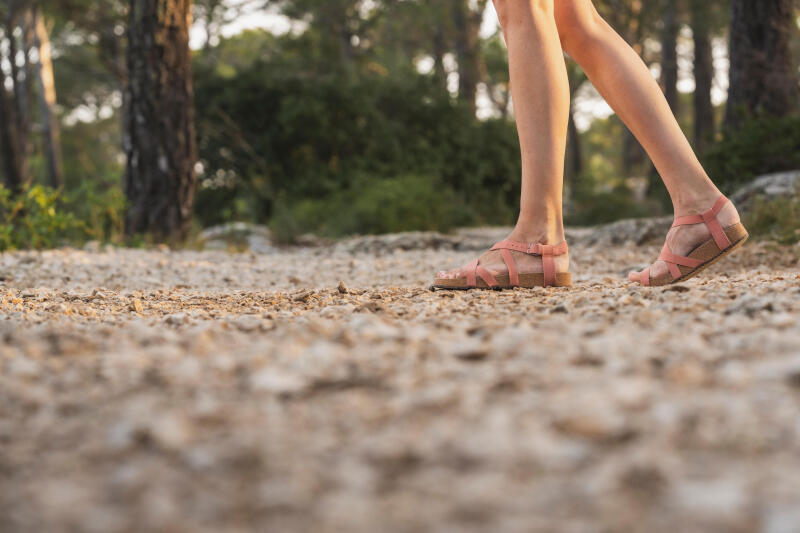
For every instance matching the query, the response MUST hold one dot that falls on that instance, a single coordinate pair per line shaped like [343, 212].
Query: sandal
[722, 243]
[477, 277]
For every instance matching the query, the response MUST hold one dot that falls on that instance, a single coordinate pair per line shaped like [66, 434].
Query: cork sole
[709, 253]
[526, 281]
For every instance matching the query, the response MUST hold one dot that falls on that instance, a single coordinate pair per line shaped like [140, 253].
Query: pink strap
[667, 256]
[672, 260]
[513, 273]
[511, 245]
[487, 276]
[549, 269]
[709, 218]
[532, 248]
[470, 271]
[473, 271]
[547, 251]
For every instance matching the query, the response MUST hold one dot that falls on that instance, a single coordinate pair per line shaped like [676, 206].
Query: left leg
[625, 82]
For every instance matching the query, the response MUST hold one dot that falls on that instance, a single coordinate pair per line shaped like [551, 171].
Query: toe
[633, 275]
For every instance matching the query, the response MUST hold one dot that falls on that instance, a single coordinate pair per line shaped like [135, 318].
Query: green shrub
[32, 218]
[387, 205]
[275, 140]
[600, 207]
[777, 219]
[759, 146]
[98, 210]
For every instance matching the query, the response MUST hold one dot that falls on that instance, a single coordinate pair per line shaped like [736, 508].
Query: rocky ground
[326, 389]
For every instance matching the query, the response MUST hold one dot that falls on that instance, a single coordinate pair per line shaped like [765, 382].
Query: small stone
[302, 297]
[276, 382]
[677, 288]
[136, 306]
[176, 319]
[342, 288]
[687, 372]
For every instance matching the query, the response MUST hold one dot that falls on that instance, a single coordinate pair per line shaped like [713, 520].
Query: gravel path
[207, 391]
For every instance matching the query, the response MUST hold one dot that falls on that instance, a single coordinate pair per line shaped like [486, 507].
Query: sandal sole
[736, 230]
[526, 281]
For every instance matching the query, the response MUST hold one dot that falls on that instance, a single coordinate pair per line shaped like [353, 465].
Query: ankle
[694, 202]
[538, 231]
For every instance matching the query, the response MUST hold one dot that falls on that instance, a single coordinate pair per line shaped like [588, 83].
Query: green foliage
[271, 135]
[777, 219]
[759, 146]
[595, 206]
[41, 217]
[387, 205]
[31, 218]
[98, 212]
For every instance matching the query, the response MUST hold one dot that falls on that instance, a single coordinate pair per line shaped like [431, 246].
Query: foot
[527, 264]
[682, 240]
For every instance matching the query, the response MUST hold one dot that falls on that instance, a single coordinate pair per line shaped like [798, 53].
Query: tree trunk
[439, 50]
[47, 100]
[574, 154]
[669, 55]
[763, 79]
[467, 25]
[160, 179]
[13, 160]
[703, 75]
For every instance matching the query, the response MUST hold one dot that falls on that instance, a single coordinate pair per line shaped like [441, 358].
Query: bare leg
[623, 79]
[541, 106]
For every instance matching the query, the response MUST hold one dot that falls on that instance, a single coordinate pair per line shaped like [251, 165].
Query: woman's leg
[540, 90]
[625, 82]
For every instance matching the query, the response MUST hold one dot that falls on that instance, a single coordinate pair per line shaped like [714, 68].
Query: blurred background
[337, 117]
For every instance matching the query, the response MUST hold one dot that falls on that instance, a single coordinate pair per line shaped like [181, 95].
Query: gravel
[327, 389]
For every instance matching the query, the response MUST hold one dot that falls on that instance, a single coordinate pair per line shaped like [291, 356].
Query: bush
[98, 211]
[278, 143]
[30, 219]
[600, 207]
[378, 205]
[777, 219]
[759, 146]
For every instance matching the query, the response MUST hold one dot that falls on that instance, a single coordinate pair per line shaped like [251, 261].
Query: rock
[767, 187]
[342, 288]
[593, 423]
[176, 319]
[136, 306]
[637, 231]
[276, 382]
[417, 240]
[256, 238]
[687, 371]
[302, 296]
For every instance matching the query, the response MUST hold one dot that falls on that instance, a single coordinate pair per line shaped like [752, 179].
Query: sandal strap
[673, 260]
[511, 265]
[709, 218]
[546, 251]
[532, 248]
[473, 271]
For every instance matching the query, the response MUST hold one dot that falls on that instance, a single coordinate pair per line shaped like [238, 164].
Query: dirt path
[206, 391]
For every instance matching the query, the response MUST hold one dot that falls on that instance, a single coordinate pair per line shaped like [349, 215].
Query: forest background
[336, 117]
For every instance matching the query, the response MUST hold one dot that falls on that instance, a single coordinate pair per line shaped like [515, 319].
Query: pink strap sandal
[723, 242]
[475, 276]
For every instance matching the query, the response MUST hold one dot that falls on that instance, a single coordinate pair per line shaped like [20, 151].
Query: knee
[511, 12]
[578, 25]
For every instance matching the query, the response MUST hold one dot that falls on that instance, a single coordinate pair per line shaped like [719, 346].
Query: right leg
[541, 107]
